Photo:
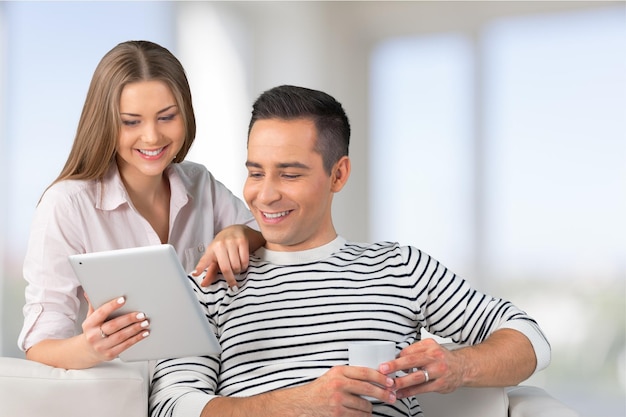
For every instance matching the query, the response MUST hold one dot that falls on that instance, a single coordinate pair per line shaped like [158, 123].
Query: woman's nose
[150, 133]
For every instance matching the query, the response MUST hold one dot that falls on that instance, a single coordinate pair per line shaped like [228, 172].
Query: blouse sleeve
[52, 296]
[229, 209]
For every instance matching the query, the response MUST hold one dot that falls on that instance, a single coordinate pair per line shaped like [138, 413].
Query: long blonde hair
[98, 128]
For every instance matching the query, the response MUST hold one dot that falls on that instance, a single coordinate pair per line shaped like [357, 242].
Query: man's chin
[280, 245]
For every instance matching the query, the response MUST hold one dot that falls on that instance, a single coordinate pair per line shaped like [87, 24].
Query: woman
[125, 184]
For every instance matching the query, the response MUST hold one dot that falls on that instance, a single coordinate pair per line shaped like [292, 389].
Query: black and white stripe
[292, 319]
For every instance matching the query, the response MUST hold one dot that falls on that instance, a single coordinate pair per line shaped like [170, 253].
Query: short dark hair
[290, 102]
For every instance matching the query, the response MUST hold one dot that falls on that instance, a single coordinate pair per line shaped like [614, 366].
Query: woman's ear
[340, 174]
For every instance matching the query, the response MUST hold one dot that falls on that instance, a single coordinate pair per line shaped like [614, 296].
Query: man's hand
[425, 366]
[505, 358]
[340, 390]
[336, 393]
[228, 253]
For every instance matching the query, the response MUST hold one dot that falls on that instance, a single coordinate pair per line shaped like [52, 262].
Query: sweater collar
[304, 256]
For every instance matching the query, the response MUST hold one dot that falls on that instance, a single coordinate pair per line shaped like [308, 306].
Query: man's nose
[268, 191]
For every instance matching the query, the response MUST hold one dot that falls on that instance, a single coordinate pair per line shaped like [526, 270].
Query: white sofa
[118, 389]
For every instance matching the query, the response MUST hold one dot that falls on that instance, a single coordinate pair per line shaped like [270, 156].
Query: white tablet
[153, 281]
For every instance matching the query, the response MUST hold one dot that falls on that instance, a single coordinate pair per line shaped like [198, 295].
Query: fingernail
[121, 300]
[146, 334]
[390, 382]
[140, 316]
[235, 288]
[145, 323]
[384, 368]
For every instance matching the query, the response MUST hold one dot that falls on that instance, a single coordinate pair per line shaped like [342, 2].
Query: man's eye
[254, 174]
[291, 176]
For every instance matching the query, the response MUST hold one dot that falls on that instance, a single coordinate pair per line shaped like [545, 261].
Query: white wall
[3, 178]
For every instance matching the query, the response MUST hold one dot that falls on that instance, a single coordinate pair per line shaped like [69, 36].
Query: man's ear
[340, 174]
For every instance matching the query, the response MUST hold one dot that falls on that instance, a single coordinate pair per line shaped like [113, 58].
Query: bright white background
[489, 134]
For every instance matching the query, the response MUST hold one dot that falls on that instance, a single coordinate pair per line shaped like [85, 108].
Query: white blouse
[76, 216]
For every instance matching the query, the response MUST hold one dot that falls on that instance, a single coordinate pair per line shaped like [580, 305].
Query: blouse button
[201, 248]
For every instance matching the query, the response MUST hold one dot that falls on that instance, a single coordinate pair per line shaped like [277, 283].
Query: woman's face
[152, 129]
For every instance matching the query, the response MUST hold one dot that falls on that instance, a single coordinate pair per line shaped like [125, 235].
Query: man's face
[287, 189]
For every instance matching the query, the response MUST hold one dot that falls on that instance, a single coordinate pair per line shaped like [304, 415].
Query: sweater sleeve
[451, 308]
[182, 387]
[537, 339]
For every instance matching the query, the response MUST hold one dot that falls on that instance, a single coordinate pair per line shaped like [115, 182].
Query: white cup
[371, 354]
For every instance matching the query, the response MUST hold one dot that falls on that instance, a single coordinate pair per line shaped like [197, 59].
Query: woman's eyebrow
[159, 112]
[166, 109]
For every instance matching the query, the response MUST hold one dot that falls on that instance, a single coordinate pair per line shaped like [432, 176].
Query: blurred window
[510, 148]
[421, 129]
[556, 145]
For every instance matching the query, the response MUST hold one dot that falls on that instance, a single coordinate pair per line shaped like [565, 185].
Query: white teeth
[275, 215]
[151, 153]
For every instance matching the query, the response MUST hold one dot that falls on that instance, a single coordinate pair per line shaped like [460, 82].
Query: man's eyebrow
[282, 165]
[159, 112]
[292, 165]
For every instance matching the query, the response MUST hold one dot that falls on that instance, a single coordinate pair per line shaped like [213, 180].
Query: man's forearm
[269, 404]
[505, 358]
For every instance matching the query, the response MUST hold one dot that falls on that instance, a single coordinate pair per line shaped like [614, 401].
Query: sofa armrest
[517, 401]
[528, 401]
[115, 388]
[466, 402]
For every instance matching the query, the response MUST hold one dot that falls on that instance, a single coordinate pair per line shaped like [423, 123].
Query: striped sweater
[295, 313]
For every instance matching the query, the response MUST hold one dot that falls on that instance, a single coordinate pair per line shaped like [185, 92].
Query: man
[308, 292]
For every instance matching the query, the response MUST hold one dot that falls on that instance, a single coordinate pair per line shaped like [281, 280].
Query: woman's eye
[130, 122]
[168, 117]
